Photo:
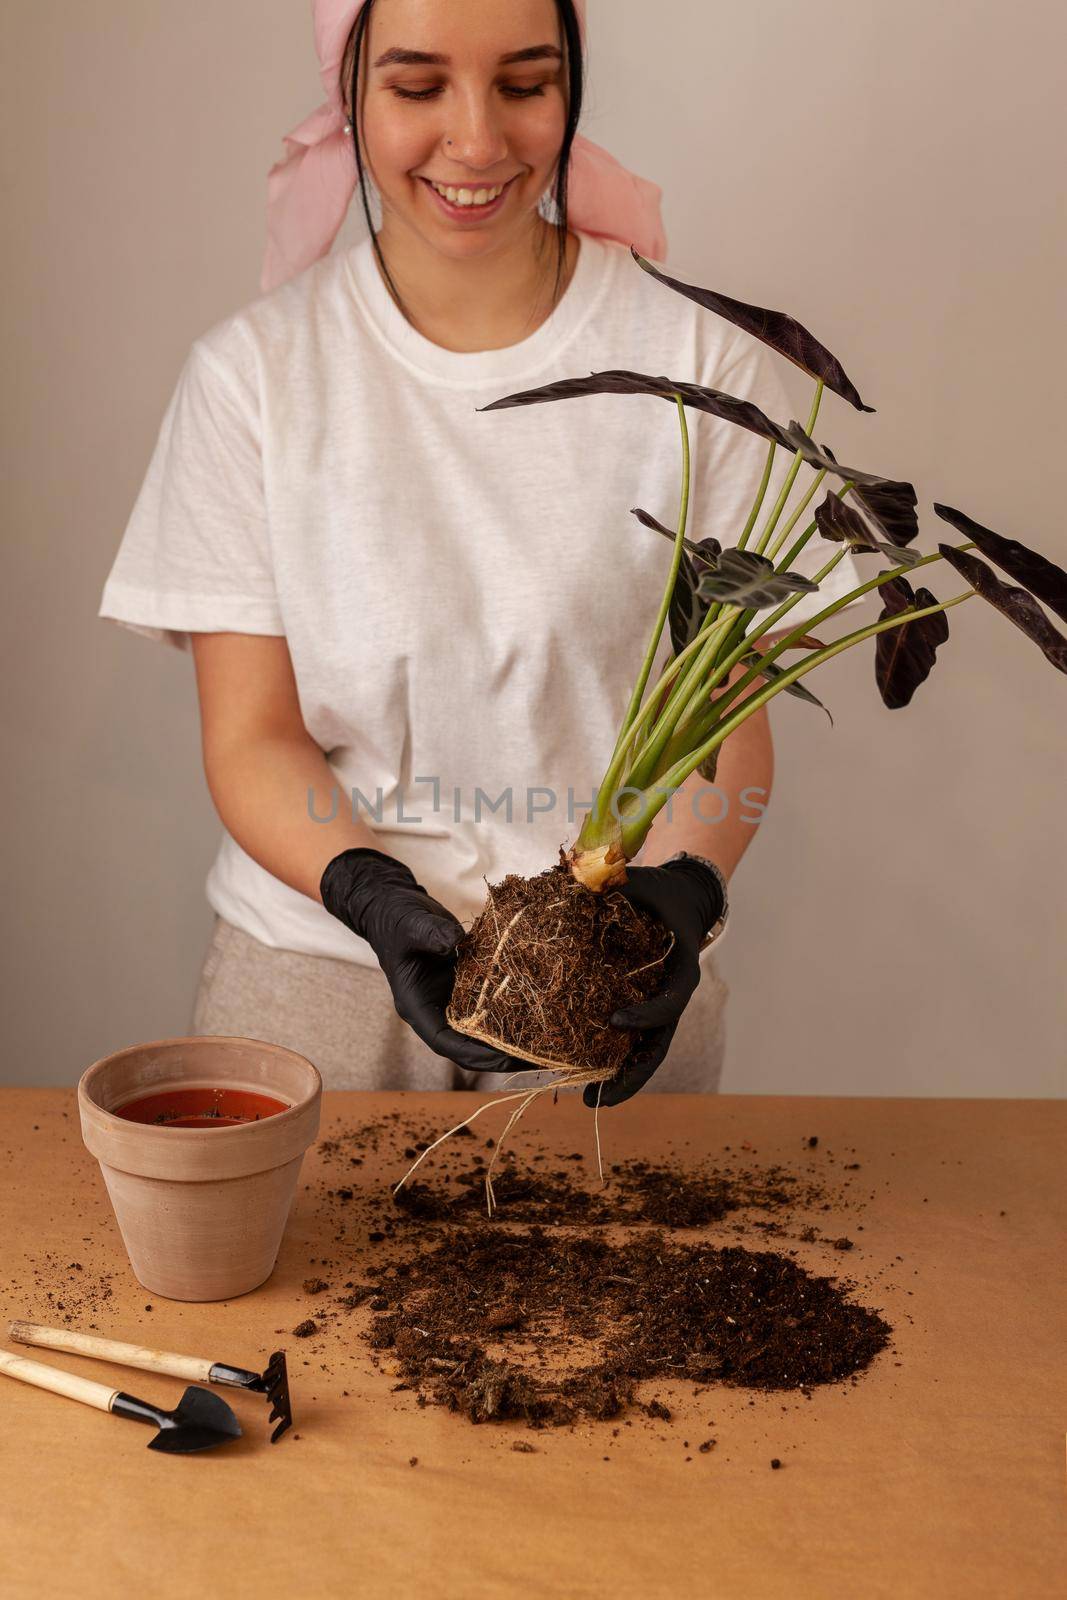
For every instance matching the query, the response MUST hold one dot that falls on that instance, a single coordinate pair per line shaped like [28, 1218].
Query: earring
[347, 128]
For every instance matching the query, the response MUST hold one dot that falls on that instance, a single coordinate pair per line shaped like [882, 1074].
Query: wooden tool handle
[193, 1368]
[70, 1384]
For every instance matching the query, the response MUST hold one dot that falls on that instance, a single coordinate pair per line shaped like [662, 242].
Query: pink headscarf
[309, 190]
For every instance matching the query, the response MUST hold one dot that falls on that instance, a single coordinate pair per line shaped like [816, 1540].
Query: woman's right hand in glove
[414, 937]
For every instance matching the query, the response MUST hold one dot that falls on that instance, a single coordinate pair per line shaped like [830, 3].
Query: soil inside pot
[546, 963]
[201, 1107]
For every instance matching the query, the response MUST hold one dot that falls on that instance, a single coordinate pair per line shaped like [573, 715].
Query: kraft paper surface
[938, 1472]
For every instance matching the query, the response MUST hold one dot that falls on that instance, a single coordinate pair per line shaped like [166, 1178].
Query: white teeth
[468, 197]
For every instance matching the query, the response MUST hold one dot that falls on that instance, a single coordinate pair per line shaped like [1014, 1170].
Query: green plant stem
[740, 641]
[716, 626]
[638, 820]
[682, 769]
[809, 532]
[737, 643]
[760, 494]
[667, 756]
[795, 518]
[732, 691]
[669, 673]
[619, 754]
[739, 631]
[791, 476]
[702, 676]
[717, 605]
[688, 687]
[790, 639]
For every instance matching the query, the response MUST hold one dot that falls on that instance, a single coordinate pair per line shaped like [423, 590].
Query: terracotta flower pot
[201, 1211]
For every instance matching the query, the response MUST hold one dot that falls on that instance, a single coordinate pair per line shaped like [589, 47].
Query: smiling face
[496, 87]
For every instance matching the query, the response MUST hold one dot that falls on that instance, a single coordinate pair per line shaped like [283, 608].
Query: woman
[416, 627]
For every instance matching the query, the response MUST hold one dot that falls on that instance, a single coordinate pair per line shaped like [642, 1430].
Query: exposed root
[490, 1197]
[545, 965]
[478, 1012]
[596, 1135]
[538, 977]
[570, 1074]
[526, 1097]
[465, 1123]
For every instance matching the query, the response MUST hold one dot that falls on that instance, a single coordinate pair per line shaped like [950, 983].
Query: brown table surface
[939, 1472]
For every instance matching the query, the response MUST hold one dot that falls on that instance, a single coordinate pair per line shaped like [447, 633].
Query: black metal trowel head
[199, 1421]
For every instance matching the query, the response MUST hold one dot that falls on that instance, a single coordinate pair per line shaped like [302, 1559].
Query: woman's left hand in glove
[688, 895]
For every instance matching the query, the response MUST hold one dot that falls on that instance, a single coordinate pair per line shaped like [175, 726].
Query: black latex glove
[689, 898]
[414, 937]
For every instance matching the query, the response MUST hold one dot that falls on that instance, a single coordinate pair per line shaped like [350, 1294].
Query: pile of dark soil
[551, 1327]
[577, 1297]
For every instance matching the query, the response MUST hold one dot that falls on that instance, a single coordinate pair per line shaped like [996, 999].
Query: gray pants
[341, 1017]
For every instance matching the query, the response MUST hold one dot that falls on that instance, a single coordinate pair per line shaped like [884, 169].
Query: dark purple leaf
[618, 381]
[1035, 572]
[1018, 606]
[838, 522]
[904, 657]
[687, 609]
[744, 577]
[771, 670]
[773, 328]
[649, 521]
[705, 551]
[890, 504]
[612, 381]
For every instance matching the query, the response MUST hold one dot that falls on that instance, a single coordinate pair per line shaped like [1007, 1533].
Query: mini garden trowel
[274, 1382]
[199, 1421]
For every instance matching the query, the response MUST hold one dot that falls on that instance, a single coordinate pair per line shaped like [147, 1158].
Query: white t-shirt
[466, 597]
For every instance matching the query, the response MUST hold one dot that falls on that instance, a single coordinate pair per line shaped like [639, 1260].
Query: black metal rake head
[273, 1382]
[276, 1384]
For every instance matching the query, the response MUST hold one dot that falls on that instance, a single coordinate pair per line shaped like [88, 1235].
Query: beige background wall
[891, 174]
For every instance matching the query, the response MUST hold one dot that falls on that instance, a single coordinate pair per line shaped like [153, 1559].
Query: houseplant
[550, 958]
